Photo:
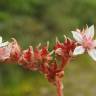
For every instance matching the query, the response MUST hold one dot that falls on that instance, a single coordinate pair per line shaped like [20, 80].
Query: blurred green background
[34, 21]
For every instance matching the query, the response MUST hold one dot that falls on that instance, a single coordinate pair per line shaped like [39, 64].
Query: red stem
[59, 86]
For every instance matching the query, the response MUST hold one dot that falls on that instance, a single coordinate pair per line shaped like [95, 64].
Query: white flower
[3, 44]
[85, 42]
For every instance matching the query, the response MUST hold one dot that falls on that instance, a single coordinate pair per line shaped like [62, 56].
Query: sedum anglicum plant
[41, 59]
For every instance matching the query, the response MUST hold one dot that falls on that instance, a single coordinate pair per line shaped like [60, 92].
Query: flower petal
[78, 50]
[90, 32]
[0, 39]
[92, 53]
[94, 43]
[77, 36]
[4, 44]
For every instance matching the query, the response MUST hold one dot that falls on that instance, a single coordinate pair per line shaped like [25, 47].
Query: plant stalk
[59, 86]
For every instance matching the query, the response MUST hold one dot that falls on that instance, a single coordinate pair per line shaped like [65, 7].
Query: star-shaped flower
[85, 42]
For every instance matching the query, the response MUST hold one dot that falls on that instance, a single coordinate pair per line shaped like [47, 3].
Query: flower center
[87, 43]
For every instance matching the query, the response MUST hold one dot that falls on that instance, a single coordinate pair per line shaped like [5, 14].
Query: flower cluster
[51, 64]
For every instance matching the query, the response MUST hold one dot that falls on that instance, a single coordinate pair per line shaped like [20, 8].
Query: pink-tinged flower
[15, 50]
[64, 51]
[35, 59]
[27, 59]
[43, 55]
[9, 51]
[85, 42]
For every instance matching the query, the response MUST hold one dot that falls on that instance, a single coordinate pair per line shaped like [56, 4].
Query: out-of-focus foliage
[34, 21]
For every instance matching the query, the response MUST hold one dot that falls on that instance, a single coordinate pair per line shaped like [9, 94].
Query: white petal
[77, 36]
[90, 32]
[4, 44]
[92, 53]
[78, 50]
[0, 39]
